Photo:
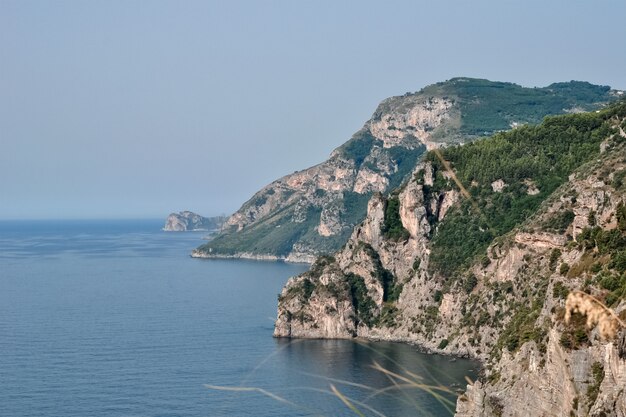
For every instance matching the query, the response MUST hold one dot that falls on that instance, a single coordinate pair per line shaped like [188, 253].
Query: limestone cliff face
[188, 221]
[553, 375]
[314, 211]
[390, 270]
[505, 309]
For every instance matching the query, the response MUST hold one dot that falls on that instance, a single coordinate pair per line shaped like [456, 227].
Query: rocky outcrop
[373, 262]
[498, 185]
[314, 211]
[186, 221]
[506, 307]
[415, 114]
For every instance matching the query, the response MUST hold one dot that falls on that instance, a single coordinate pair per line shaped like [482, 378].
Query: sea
[114, 318]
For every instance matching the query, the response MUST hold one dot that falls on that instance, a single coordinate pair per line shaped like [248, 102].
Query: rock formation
[186, 221]
[397, 277]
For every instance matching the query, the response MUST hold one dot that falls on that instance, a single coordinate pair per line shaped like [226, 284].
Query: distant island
[187, 221]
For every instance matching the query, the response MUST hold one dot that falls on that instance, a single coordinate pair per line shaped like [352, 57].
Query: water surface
[112, 318]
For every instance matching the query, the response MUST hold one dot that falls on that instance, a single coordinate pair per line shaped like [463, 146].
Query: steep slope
[312, 212]
[475, 256]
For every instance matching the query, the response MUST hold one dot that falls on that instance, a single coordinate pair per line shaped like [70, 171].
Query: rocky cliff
[461, 266]
[185, 221]
[314, 211]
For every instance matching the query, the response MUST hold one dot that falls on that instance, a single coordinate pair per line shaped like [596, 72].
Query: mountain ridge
[313, 211]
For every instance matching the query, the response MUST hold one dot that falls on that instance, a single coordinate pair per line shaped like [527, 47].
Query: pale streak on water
[112, 318]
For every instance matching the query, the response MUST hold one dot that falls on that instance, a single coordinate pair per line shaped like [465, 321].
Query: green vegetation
[487, 106]
[276, 236]
[416, 264]
[605, 241]
[302, 290]
[430, 319]
[405, 159]
[308, 288]
[363, 304]
[470, 282]
[354, 208]
[605, 257]
[597, 372]
[391, 288]
[359, 147]
[524, 325]
[560, 291]
[559, 222]
[387, 316]
[546, 153]
[575, 335]
[521, 329]
[320, 263]
[392, 226]
[620, 215]
[619, 179]
[495, 403]
[555, 255]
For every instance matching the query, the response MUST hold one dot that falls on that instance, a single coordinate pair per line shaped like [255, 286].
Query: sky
[135, 109]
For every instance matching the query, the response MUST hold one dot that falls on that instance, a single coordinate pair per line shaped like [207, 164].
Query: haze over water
[112, 318]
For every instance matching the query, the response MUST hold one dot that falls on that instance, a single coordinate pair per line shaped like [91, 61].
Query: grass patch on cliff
[392, 227]
[354, 208]
[546, 154]
[405, 160]
[559, 222]
[363, 304]
[359, 146]
[597, 373]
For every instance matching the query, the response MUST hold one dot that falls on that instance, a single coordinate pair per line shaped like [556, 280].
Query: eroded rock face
[410, 119]
[372, 257]
[532, 370]
[329, 221]
[369, 181]
[328, 313]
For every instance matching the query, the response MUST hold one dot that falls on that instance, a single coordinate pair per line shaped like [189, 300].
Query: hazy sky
[140, 108]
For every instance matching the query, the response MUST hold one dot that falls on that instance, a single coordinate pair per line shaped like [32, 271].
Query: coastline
[406, 341]
[295, 258]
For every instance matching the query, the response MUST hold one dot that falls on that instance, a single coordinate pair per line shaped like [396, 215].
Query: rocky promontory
[187, 221]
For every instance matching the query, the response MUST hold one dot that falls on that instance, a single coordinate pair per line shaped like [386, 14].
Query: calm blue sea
[113, 318]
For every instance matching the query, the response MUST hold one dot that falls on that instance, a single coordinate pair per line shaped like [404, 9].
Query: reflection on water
[388, 377]
[114, 318]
